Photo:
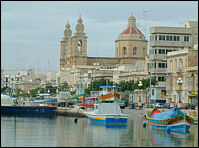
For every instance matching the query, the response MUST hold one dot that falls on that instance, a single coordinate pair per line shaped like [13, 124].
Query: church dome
[131, 28]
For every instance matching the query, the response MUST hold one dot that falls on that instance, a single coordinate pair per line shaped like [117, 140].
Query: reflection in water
[174, 138]
[62, 131]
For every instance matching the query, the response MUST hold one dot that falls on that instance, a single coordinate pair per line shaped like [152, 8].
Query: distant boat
[11, 106]
[172, 119]
[107, 113]
[108, 93]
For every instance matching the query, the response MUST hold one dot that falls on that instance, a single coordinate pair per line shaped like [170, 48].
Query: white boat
[107, 113]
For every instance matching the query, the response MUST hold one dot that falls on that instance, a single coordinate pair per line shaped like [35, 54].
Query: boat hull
[180, 125]
[28, 110]
[108, 119]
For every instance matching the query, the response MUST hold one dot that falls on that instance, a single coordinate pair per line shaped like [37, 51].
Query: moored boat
[107, 113]
[172, 119]
[11, 106]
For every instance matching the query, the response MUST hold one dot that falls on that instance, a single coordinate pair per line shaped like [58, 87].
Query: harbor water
[62, 131]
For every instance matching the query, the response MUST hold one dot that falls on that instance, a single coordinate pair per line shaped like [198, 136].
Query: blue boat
[107, 113]
[170, 120]
[10, 106]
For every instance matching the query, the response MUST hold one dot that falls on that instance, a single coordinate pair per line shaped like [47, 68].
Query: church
[130, 47]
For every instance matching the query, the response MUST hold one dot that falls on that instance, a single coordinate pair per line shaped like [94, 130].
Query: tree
[126, 85]
[94, 86]
[145, 84]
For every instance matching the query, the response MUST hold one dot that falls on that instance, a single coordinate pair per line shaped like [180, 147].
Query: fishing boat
[107, 113]
[10, 105]
[172, 119]
[108, 93]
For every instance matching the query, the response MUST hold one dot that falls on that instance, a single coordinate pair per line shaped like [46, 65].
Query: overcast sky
[31, 31]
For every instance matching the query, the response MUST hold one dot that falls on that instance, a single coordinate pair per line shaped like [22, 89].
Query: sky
[31, 31]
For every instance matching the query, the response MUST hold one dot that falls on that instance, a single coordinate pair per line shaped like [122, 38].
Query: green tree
[64, 87]
[94, 86]
[125, 85]
[145, 84]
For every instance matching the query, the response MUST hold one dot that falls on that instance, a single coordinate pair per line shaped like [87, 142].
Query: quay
[67, 111]
[78, 112]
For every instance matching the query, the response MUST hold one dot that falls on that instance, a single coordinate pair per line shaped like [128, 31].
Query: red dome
[131, 31]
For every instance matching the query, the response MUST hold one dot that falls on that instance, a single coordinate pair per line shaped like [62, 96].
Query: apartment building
[164, 40]
[183, 64]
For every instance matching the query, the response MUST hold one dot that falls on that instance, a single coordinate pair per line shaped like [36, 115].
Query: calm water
[62, 131]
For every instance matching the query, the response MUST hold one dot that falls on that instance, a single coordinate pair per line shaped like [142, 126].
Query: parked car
[151, 105]
[88, 104]
[122, 104]
[159, 105]
[135, 105]
[166, 106]
[186, 106]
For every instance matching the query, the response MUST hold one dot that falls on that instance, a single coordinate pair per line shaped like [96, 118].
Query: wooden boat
[107, 113]
[172, 119]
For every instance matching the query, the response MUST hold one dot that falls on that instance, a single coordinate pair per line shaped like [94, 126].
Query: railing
[178, 69]
[169, 70]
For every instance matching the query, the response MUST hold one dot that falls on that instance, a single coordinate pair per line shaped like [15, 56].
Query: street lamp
[179, 82]
[140, 104]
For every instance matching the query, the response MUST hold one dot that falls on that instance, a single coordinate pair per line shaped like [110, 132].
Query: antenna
[97, 48]
[145, 20]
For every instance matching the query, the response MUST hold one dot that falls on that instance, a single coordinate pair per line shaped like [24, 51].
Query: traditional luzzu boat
[107, 113]
[172, 119]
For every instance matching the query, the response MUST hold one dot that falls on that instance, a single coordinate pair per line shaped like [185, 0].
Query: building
[164, 40]
[183, 64]
[78, 70]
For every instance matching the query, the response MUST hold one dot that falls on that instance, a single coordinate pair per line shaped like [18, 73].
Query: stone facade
[74, 49]
[75, 64]
[181, 64]
[164, 40]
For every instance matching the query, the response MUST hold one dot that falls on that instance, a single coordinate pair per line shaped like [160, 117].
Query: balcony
[169, 44]
[169, 70]
[158, 70]
[178, 69]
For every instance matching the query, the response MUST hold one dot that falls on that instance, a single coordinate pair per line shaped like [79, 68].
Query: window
[164, 91]
[167, 38]
[156, 51]
[178, 38]
[134, 50]
[153, 92]
[161, 65]
[161, 51]
[161, 79]
[174, 38]
[79, 46]
[124, 50]
[151, 37]
[171, 38]
[156, 37]
[168, 50]
[186, 38]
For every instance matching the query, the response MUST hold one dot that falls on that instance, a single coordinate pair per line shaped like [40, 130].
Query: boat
[10, 106]
[170, 120]
[107, 113]
[108, 93]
